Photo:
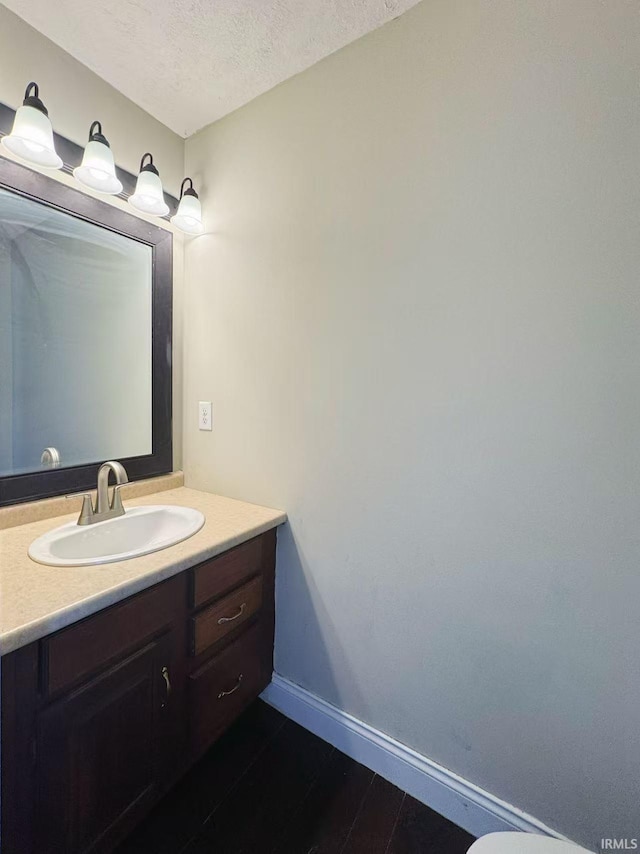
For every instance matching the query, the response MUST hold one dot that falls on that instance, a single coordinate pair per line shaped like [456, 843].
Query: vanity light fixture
[31, 138]
[188, 217]
[148, 196]
[97, 170]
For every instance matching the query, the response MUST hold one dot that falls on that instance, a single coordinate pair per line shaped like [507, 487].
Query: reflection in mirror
[75, 340]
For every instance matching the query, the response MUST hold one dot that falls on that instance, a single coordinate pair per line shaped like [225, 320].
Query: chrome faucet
[104, 508]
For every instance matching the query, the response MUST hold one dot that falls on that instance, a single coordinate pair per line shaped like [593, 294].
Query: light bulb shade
[148, 196]
[97, 169]
[188, 217]
[31, 138]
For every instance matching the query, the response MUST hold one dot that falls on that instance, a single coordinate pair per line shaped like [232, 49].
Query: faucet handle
[82, 495]
[116, 501]
[86, 514]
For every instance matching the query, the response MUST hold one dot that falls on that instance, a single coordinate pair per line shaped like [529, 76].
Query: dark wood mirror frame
[28, 487]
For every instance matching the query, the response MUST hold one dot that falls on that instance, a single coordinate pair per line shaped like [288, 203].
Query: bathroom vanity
[103, 715]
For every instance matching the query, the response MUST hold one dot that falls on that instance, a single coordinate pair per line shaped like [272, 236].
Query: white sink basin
[140, 531]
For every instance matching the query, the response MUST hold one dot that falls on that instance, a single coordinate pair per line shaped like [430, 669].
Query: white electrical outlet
[205, 417]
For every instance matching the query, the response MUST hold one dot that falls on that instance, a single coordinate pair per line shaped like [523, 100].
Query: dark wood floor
[270, 787]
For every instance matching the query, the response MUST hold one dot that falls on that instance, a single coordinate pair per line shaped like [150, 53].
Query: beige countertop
[36, 600]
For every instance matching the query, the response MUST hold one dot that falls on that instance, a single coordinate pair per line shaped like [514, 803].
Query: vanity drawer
[221, 688]
[72, 654]
[212, 624]
[215, 577]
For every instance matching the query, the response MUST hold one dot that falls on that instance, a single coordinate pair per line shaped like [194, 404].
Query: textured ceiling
[189, 62]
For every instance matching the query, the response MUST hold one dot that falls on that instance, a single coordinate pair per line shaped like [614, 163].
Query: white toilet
[522, 843]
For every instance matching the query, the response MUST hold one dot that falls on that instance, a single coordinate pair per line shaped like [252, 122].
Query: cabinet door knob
[232, 691]
[235, 616]
[165, 676]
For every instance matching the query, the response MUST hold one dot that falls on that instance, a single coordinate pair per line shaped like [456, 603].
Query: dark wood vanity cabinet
[102, 717]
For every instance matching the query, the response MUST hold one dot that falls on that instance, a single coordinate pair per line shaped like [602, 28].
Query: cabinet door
[100, 754]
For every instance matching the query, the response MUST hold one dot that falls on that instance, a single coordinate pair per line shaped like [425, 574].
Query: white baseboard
[463, 803]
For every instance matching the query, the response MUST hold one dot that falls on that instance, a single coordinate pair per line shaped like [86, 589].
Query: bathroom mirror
[85, 338]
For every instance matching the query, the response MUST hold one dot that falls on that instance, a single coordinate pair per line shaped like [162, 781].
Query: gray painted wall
[417, 315]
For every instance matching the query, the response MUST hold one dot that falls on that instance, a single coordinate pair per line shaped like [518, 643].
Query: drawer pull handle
[165, 676]
[235, 616]
[232, 691]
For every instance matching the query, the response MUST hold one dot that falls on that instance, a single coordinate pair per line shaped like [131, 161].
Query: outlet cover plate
[205, 415]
